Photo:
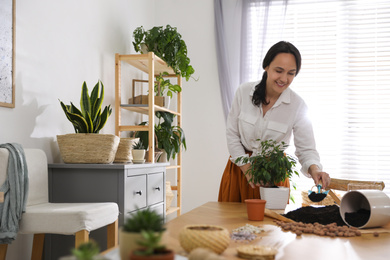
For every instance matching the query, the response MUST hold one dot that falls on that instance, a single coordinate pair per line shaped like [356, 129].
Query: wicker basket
[88, 148]
[123, 154]
[215, 238]
[168, 195]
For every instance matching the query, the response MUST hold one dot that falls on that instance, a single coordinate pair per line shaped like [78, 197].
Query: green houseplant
[170, 138]
[146, 220]
[270, 165]
[165, 86]
[166, 43]
[87, 251]
[150, 247]
[87, 145]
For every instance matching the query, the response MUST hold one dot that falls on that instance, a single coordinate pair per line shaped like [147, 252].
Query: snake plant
[91, 118]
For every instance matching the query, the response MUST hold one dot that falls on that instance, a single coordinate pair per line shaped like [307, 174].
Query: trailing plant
[86, 251]
[167, 44]
[166, 87]
[270, 165]
[170, 137]
[139, 146]
[90, 118]
[146, 220]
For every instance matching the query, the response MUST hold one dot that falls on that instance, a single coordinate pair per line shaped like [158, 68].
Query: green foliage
[145, 219]
[170, 137]
[139, 146]
[167, 44]
[86, 251]
[166, 87]
[91, 118]
[270, 165]
[150, 243]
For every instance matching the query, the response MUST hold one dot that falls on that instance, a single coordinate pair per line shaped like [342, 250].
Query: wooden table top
[307, 246]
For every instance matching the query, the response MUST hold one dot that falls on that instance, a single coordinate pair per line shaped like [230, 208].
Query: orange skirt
[235, 187]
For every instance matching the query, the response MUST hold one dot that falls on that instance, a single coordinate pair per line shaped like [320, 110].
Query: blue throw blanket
[15, 190]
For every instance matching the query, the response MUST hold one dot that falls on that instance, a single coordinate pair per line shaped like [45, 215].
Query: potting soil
[322, 215]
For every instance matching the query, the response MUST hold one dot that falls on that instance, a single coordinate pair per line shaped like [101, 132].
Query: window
[345, 78]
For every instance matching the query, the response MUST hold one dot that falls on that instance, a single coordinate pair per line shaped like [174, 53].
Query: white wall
[60, 44]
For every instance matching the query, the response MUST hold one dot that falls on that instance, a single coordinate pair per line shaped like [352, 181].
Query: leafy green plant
[91, 118]
[86, 251]
[170, 137]
[166, 87]
[167, 44]
[270, 164]
[139, 146]
[146, 220]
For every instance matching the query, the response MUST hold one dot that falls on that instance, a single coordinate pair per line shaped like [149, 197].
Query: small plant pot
[163, 255]
[276, 197]
[215, 238]
[255, 209]
[128, 243]
[365, 208]
[138, 155]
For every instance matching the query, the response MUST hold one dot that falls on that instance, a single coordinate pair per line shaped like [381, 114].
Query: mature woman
[265, 110]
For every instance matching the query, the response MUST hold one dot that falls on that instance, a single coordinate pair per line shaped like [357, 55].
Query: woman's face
[280, 73]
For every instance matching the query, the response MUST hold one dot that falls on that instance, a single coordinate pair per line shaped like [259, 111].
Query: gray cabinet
[131, 186]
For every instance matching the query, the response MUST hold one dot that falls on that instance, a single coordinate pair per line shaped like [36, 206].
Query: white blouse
[288, 115]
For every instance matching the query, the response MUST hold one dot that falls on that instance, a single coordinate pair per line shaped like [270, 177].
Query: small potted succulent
[150, 247]
[270, 165]
[142, 220]
[87, 145]
[138, 152]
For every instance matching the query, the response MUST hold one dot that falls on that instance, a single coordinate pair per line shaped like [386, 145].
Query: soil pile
[322, 215]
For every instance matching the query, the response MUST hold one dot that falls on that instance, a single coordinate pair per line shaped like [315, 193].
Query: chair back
[38, 190]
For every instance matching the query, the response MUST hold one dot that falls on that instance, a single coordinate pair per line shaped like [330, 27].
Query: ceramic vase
[255, 209]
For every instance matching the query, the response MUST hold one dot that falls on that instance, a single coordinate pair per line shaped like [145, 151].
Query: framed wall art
[7, 53]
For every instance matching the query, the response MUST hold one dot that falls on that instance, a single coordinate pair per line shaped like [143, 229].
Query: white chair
[57, 218]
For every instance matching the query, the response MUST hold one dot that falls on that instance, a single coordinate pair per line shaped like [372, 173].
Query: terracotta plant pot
[212, 237]
[255, 209]
[165, 255]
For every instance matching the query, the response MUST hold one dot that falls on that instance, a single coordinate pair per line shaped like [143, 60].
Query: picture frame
[7, 53]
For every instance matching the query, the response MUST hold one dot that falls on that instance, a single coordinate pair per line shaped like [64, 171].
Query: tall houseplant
[86, 145]
[270, 165]
[166, 43]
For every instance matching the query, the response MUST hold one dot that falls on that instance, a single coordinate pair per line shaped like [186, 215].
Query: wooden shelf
[144, 109]
[172, 210]
[141, 62]
[173, 167]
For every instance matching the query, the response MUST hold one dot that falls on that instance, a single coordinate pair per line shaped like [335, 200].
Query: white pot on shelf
[276, 198]
[138, 155]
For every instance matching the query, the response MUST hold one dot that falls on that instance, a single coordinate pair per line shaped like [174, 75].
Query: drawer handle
[158, 188]
[138, 192]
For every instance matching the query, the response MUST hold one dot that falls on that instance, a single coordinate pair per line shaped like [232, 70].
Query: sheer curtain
[344, 79]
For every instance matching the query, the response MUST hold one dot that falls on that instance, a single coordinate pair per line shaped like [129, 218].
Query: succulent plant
[145, 219]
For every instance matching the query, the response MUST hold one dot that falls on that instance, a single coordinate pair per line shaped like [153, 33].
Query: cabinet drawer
[135, 193]
[155, 188]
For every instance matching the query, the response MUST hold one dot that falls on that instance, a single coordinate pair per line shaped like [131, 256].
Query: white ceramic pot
[374, 201]
[276, 198]
[138, 155]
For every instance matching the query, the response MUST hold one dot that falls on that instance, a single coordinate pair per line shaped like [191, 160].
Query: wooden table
[308, 246]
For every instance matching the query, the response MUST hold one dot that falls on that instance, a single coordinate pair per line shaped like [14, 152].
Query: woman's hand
[244, 169]
[319, 176]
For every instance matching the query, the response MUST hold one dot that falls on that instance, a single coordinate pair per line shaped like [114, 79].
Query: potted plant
[270, 165]
[86, 145]
[151, 248]
[164, 88]
[167, 44]
[86, 251]
[131, 232]
[170, 138]
[138, 152]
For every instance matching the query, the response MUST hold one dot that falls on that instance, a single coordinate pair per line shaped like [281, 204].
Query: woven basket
[88, 148]
[325, 202]
[168, 195]
[123, 154]
[215, 238]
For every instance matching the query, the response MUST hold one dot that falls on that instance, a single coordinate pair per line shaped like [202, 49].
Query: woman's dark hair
[280, 47]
